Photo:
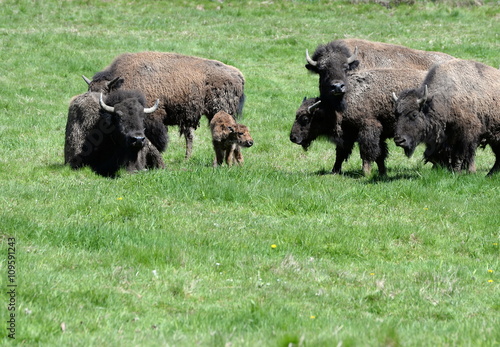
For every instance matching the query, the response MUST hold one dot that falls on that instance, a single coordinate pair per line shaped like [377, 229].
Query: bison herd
[368, 92]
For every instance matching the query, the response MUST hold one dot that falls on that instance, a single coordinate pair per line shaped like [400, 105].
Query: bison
[227, 138]
[108, 135]
[334, 61]
[367, 116]
[455, 109]
[187, 87]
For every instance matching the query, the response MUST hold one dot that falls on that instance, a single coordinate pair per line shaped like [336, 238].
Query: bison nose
[249, 143]
[138, 141]
[338, 88]
[294, 138]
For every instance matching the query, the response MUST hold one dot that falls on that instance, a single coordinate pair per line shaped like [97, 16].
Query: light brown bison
[454, 110]
[228, 137]
[187, 87]
[108, 135]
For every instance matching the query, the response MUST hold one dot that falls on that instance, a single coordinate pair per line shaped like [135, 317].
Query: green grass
[183, 256]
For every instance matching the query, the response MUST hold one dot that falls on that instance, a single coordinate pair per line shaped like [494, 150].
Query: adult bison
[334, 61]
[367, 116]
[455, 109]
[187, 87]
[108, 135]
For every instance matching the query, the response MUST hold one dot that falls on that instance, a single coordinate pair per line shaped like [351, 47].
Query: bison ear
[115, 84]
[421, 102]
[354, 65]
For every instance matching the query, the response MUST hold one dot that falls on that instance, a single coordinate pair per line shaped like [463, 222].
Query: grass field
[272, 253]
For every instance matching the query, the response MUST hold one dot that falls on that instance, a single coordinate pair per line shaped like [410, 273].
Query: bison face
[128, 118]
[411, 124]
[304, 129]
[243, 136]
[332, 64]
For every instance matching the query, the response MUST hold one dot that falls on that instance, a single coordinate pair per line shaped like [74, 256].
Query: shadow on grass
[376, 178]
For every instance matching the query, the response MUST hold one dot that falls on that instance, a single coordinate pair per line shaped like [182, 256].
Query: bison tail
[239, 111]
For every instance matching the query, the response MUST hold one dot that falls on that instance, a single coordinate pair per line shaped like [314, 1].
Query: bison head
[411, 119]
[126, 113]
[101, 84]
[307, 125]
[332, 62]
[243, 136]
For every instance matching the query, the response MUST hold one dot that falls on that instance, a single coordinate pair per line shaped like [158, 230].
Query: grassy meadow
[274, 253]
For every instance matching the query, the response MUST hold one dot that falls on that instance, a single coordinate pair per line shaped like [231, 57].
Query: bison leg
[189, 135]
[369, 146]
[219, 154]
[238, 157]
[496, 166]
[342, 153]
[384, 152]
[154, 160]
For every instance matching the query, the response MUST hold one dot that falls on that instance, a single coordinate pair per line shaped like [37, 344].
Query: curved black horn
[154, 108]
[104, 106]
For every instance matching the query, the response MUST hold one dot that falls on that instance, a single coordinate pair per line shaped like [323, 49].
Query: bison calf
[228, 137]
[454, 110]
[110, 135]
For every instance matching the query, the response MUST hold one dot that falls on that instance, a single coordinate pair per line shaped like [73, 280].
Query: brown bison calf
[228, 137]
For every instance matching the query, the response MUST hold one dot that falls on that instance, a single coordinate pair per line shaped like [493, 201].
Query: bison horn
[104, 106]
[86, 79]
[313, 106]
[354, 56]
[394, 97]
[422, 101]
[154, 108]
[309, 59]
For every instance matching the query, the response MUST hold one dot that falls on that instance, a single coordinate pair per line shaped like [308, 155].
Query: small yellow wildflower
[313, 317]
[426, 208]
[273, 246]
[495, 243]
[372, 273]
[490, 281]
[490, 271]
[120, 198]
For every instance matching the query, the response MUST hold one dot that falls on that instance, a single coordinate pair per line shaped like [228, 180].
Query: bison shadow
[375, 178]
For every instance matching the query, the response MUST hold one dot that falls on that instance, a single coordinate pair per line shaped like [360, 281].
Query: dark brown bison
[367, 116]
[335, 60]
[228, 137]
[108, 135]
[187, 87]
[456, 109]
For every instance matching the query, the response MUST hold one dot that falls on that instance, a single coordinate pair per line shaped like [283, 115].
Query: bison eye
[303, 120]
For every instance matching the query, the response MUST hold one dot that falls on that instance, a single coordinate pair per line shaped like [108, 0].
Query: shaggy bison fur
[454, 110]
[187, 87]
[111, 135]
[334, 61]
[365, 114]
